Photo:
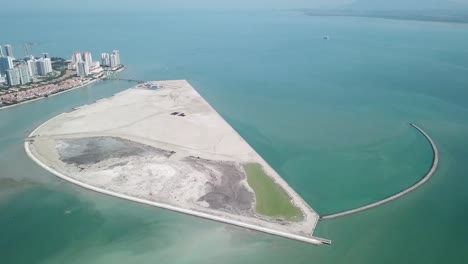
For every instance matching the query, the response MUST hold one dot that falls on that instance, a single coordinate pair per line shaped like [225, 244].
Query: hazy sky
[66, 5]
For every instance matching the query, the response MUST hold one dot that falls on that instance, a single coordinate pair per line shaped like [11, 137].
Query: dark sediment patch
[225, 191]
[86, 151]
[118, 164]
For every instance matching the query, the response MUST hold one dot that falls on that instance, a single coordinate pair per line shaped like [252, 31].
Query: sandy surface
[135, 144]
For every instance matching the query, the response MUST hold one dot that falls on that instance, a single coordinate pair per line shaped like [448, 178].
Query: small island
[162, 144]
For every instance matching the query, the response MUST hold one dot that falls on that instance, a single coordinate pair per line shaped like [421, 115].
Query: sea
[332, 117]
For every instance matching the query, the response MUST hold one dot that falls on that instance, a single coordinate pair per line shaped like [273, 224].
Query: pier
[129, 80]
[110, 77]
[430, 173]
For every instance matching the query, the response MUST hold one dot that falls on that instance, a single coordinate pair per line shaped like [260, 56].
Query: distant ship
[326, 37]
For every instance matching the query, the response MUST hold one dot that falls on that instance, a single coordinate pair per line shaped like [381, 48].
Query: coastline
[59, 93]
[429, 174]
[309, 213]
[295, 198]
[310, 240]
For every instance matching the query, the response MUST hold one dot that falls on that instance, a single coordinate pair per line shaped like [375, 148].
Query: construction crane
[28, 47]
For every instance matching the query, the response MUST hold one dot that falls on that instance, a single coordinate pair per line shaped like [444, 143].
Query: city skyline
[31, 77]
[22, 71]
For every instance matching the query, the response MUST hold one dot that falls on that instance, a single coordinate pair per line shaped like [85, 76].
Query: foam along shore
[162, 144]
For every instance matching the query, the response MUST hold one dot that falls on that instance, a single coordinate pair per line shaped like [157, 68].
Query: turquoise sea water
[332, 117]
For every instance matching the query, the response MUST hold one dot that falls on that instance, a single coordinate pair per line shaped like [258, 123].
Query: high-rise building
[9, 50]
[117, 56]
[18, 75]
[1, 51]
[5, 64]
[105, 59]
[43, 66]
[24, 74]
[86, 57]
[13, 77]
[32, 68]
[40, 68]
[76, 57]
[48, 63]
[82, 69]
[113, 61]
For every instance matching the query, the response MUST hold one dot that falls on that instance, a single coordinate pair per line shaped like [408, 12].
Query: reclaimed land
[162, 144]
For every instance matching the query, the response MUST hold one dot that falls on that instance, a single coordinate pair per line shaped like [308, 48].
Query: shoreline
[59, 93]
[429, 174]
[295, 198]
[309, 213]
[310, 240]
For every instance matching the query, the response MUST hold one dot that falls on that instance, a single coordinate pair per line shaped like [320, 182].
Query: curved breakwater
[430, 173]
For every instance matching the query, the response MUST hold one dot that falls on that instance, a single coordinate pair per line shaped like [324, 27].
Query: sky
[129, 5]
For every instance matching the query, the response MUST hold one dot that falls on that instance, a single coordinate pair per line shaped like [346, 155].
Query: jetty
[129, 80]
[427, 177]
[114, 77]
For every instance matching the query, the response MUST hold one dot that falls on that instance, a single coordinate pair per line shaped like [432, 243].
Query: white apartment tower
[48, 63]
[86, 57]
[82, 69]
[43, 66]
[24, 74]
[76, 57]
[115, 59]
[117, 56]
[105, 59]
[13, 77]
[18, 75]
[32, 67]
[5, 64]
[9, 50]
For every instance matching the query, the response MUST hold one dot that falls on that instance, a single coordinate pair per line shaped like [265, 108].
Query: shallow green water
[332, 117]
